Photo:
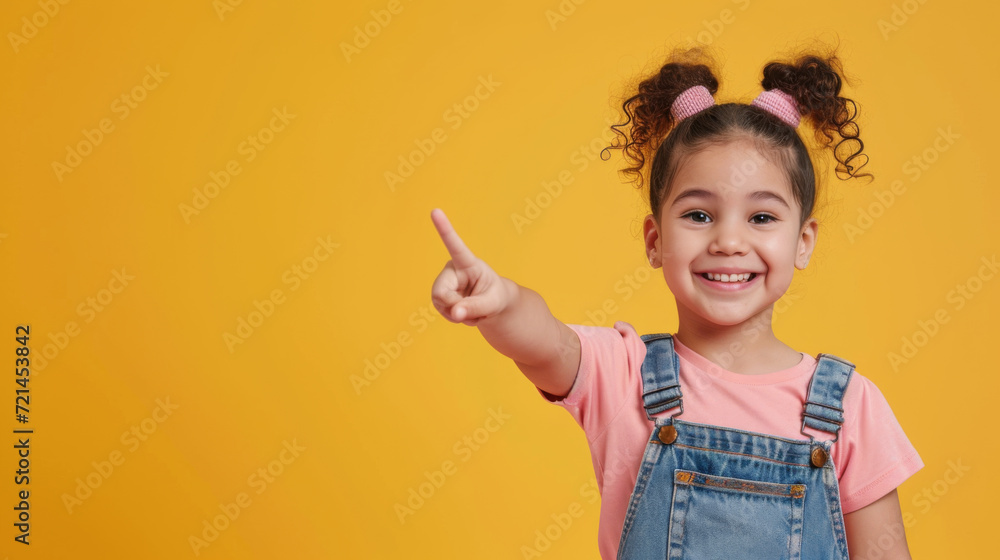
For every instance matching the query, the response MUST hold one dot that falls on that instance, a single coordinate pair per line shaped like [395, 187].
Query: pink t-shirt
[872, 455]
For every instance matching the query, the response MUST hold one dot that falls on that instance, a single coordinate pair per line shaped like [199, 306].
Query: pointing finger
[456, 248]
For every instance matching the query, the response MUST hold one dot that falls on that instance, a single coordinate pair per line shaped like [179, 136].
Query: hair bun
[648, 115]
[815, 83]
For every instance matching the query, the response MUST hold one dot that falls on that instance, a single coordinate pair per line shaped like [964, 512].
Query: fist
[467, 290]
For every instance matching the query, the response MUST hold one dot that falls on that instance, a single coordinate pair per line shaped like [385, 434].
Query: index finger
[456, 248]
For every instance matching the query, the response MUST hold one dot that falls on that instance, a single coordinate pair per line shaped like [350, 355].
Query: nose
[728, 238]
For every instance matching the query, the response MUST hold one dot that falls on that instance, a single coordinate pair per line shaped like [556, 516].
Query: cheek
[679, 246]
[779, 252]
[676, 262]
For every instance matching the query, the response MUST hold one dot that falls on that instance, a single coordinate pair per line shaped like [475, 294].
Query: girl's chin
[723, 318]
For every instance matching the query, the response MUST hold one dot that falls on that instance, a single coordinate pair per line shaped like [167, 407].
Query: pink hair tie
[692, 100]
[779, 104]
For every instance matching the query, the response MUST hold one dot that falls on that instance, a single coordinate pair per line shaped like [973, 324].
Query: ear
[652, 235]
[807, 242]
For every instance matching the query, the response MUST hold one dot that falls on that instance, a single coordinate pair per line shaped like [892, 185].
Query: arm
[545, 350]
[877, 531]
[514, 320]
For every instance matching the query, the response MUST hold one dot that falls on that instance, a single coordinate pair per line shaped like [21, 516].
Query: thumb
[473, 307]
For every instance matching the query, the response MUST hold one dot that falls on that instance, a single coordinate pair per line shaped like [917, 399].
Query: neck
[748, 348]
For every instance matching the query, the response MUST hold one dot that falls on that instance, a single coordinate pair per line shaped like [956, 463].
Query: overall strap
[661, 386]
[824, 407]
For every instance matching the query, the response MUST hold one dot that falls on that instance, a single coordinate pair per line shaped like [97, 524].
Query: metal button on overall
[705, 491]
[818, 457]
[668, 434]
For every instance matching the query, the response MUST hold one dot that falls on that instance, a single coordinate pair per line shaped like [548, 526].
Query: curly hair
[651, 135]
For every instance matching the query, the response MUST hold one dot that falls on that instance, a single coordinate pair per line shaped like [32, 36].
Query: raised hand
[467, 290]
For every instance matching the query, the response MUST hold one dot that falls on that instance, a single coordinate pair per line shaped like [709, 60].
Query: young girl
[719, 440]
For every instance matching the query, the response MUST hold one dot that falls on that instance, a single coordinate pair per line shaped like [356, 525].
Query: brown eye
[698, 216]
[767, 218]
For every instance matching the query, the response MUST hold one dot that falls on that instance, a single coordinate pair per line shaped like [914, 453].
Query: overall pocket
[722, 518]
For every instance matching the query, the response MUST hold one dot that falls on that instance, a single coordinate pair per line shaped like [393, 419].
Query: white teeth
[727, 277]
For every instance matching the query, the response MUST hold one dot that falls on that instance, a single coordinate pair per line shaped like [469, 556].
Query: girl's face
[730, 215]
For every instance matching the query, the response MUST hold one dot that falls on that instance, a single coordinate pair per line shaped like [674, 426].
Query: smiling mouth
[729, 278]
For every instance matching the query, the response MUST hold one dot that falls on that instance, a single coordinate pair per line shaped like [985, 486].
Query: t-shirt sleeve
[610, 362]
[873, 454]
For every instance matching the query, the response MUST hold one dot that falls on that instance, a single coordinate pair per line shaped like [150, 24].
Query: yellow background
[362, 448]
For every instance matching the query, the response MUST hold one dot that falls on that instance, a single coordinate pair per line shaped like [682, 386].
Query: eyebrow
[756, 195]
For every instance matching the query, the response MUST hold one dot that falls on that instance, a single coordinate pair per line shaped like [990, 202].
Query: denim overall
[710, 492]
